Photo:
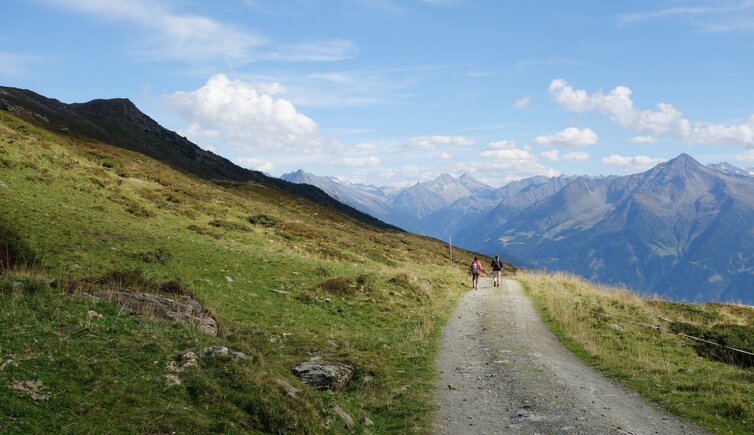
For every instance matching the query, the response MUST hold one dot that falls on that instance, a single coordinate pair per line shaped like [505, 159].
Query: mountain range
[681, 230]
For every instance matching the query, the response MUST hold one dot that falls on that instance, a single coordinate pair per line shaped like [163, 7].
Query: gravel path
[502, 371]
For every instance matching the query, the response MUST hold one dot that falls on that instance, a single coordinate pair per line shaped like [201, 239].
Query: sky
[390, 92]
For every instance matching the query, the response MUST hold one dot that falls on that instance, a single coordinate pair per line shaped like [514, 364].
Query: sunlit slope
[285, 278]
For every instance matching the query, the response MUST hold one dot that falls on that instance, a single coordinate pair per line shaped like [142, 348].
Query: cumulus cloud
[632, 164]
[240, 114]
[357, 162]
[619, 107]
[522, 102]
[433, 142]
[255, 164]
[552, 155]
[570, 137]
[443, 156]
[504, 161]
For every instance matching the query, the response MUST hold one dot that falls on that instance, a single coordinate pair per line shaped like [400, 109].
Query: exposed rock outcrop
[187, 311]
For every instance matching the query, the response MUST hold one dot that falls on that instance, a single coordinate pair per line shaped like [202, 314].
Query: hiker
[497, 268]
[476, 269]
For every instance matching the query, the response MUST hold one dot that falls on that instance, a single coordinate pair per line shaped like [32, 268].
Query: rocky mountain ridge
[120, 123]
[681, 229]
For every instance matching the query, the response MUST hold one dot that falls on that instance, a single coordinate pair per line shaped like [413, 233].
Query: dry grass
[628, 337]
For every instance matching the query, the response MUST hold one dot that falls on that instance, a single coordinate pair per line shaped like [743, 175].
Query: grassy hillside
[628, 337]
[285, 279]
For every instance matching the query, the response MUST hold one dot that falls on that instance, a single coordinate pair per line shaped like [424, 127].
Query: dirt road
[502, 371]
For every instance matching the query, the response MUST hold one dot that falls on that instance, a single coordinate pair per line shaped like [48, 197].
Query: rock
[215, 351]
[347, 420]
[229, 279]
[3, 184]
[323, 377]
[32, 389]
[188, 311]
[91, 314]
[255, 331]
[616, 327]
[183, 362]
[366, 422]
[287, 387]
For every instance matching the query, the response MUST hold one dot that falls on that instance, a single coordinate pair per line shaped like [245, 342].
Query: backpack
[474, 267]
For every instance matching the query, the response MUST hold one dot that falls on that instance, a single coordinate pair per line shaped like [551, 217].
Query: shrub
[263, 220]
[340, 285]
[14, 251]
[160, 256]
[229, 225]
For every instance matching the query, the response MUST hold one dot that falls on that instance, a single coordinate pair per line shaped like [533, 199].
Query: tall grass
[628, 337]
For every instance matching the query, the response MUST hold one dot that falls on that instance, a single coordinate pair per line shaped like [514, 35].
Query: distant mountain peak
[729, 169]
[445, 178]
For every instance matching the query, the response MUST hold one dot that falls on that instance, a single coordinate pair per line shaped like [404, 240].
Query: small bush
[14, 251]
[160, 256]
[264, 220]
[204, 231]
[229, 225]
[340, 285]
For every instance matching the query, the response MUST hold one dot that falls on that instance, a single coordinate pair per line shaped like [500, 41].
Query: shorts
[496, 273]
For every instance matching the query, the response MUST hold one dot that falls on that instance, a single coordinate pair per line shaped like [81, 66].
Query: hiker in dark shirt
[497, 268]
[476, 269]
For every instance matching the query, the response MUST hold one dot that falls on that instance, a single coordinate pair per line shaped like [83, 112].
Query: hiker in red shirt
[476, 269]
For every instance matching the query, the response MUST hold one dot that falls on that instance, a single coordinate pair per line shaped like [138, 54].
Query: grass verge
[606, 328]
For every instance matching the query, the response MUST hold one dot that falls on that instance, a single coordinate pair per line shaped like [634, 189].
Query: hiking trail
[502, 371]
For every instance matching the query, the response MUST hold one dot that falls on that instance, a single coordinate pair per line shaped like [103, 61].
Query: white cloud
[244, 117]
[314, 51]
[433, 142]
[632, 164]
[552, 155]
[522, 102]
[195, 38]
[576, 157]
[570, 137]
[619, 107]
[643, 139]
[502, 145]
[443, 156]
[723, 17]
[255, 164]
[746, 156]
[357, 162]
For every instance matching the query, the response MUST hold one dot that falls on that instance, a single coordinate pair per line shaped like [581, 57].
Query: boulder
[187, 311]
[347, 420]
[322, 376]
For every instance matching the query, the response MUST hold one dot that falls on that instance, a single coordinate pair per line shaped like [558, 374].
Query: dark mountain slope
[120, 123]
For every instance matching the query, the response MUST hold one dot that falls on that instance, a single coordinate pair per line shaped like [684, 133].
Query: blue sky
[390, 92]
